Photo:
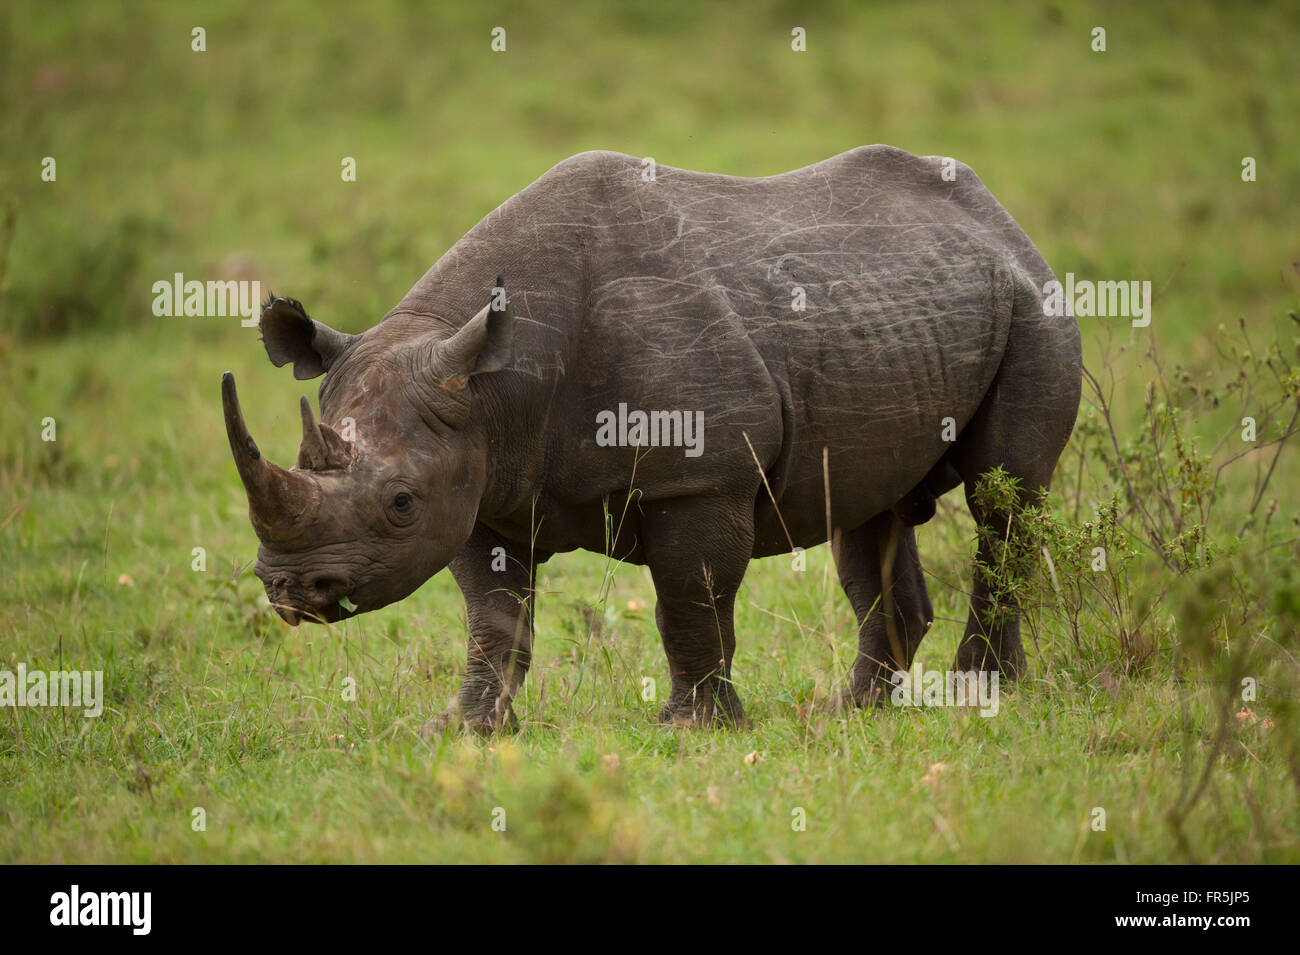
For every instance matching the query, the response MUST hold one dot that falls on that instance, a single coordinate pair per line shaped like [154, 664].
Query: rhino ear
[484, 344]
[290, 335]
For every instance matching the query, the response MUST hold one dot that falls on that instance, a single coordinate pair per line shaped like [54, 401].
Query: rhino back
[681, 293]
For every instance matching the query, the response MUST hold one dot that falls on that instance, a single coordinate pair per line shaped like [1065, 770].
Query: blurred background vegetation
[1122, 163]
[226, 164]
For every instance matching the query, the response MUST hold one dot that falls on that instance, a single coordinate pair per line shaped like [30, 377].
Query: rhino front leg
[498, 579]
[891, 620]
[697, 550]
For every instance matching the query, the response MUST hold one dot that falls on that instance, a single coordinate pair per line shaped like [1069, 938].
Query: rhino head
[387, 485]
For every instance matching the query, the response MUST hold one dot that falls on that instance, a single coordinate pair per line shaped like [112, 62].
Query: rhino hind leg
[880, 571]
[1022, 427]
[697, 550]
[991, 640]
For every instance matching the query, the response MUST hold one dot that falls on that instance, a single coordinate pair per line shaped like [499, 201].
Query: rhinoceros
[685, 371]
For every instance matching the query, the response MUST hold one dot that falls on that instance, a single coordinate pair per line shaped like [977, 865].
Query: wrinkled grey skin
[924, 302]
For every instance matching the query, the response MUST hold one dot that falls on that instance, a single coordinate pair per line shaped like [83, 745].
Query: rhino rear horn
[278, 500]
[311, 453]
[322, 447]
[484, 344]
[291, 335]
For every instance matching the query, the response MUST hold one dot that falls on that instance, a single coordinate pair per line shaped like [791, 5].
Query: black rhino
[867, 327]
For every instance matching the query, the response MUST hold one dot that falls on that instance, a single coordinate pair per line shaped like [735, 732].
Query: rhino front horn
[278, 500]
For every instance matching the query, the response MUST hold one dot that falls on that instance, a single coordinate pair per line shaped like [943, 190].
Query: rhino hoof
[493, 721]
[847, 700]
[704, 713]
[483, 721]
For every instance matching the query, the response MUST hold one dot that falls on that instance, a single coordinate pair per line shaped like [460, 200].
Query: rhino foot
[484, 718]
[713, 703]
[853, 698]
[1007, 657]
[498, 718]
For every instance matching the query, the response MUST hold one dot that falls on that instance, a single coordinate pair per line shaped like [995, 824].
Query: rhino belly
[876, 391]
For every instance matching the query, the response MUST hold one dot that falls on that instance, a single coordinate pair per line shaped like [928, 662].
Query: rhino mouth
[336, 612]
[331, 613]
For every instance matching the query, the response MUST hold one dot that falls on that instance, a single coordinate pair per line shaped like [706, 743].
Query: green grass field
[226, 163]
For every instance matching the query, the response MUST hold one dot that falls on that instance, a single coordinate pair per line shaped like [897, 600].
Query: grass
[1124, 164]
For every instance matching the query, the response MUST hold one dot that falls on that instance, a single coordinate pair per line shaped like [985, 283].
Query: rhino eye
[403, 503]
